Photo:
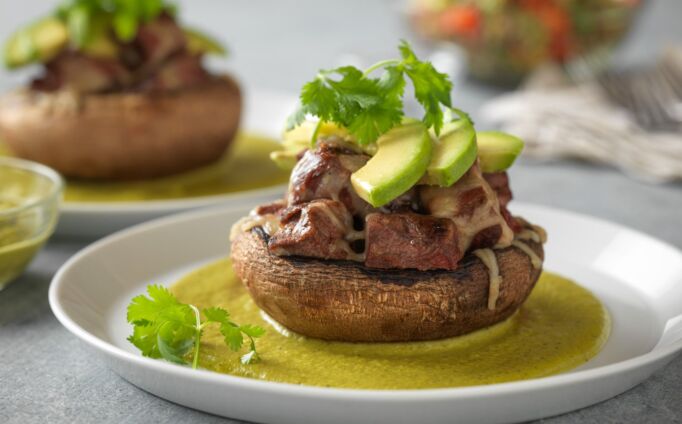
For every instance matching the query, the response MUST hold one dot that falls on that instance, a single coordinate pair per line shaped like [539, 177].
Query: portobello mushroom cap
[122, 136]
[347, 301]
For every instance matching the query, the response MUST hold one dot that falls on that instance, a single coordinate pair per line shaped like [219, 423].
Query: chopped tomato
[462, 20]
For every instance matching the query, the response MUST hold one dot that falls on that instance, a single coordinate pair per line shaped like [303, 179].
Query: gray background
[47, 375]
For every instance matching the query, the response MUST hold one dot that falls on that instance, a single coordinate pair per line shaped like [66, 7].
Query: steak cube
[408, 240]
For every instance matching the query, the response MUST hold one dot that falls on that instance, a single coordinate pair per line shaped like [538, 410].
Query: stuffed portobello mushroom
[392, 228]
[123, 93]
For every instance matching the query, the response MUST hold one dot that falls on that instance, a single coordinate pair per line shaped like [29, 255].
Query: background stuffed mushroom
[123, 95]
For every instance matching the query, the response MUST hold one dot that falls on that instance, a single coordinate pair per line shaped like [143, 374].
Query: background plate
[637, 277]
[264, 114]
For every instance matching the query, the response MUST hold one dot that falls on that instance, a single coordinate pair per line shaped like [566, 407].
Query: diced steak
[487, 237]
[159, 39]
[270, 208]
[426, 228]
[499, 182]
[77, 72]
[314, 229]
[513, 223]
[406, 202]
[182, 70]
[324, 173]
[474, 208]
[409, 240]
[157, 59]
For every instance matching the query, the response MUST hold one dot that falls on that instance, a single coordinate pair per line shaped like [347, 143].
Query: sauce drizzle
[487, 256]
[534, 259]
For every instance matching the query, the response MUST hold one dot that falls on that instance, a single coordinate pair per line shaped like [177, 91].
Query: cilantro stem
[313, 139]
[461, 114]
[381, 65]
[197, 337]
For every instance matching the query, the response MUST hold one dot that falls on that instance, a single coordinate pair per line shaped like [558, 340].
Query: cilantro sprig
[368, 106]
[163, 327]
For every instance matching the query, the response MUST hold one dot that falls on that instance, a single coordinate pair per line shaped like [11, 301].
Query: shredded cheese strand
[487, 256]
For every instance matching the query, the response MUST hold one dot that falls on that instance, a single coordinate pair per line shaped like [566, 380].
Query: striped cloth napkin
[558, 119]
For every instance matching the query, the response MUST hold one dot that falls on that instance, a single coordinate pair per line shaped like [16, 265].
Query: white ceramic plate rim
[544, 383]
[170, 205]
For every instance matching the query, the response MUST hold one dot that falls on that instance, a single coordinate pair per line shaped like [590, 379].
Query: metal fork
[652, 95]
[648, 94]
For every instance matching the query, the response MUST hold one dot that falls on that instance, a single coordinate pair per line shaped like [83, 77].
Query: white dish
[264, 114]
[638, 278]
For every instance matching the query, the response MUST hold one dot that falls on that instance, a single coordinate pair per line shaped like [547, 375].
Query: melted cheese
[351, 255]
[487, 256]
[528, 234]
[355, 235]
[534, 259]
[269, 222]
[444, 203]
[541, 233]
[341, 226]
[346, 229]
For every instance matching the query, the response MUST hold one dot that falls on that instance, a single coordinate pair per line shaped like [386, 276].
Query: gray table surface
[47, 375]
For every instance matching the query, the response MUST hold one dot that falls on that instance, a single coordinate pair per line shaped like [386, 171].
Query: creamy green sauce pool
[560, 327]
[246, 166]
[17, 246]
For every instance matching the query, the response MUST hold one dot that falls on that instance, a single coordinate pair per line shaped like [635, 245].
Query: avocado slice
[39, 42]
[402, 156]
[298, 139]
[284, 159]
[200, 43]
[100, 43]
[453, 154]
[497, 150]
[101, 47]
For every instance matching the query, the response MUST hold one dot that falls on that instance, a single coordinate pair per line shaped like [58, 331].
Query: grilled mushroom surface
[119, 136]
[347, 301]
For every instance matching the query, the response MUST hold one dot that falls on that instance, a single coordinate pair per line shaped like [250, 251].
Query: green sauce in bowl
[29, 203]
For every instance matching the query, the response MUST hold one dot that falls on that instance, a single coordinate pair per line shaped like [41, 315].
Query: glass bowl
[504, 40]
[30, 194]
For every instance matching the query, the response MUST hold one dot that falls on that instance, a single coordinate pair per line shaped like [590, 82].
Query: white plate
[264, 113]
[638, 278]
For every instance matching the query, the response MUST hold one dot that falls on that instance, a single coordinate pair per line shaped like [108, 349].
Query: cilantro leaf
[252, 330]
[163, 327]
[124, 16]
[354, 90]
[406, 52]
[149, 9]
[161, 304]
[296, 118]
[318, 98]
[125, 25]
[229, 330]
[78, 21]
[233, 336]
[374, 121]
[175, 341]
[219, 315]
[160, 317]
[431, 88]
[392, 82]
[369, 107]
[233, 333]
